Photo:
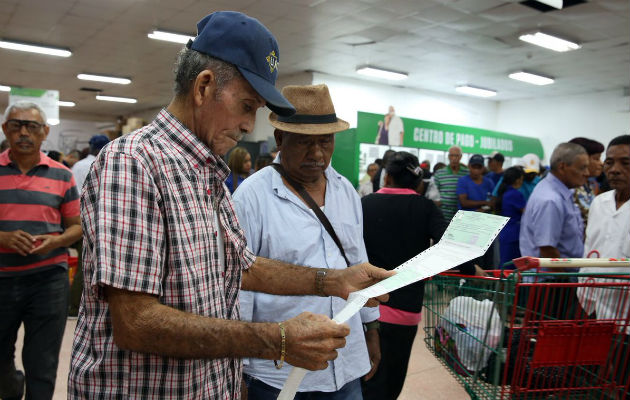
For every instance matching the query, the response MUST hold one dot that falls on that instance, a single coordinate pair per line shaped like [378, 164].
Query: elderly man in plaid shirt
[164, 255]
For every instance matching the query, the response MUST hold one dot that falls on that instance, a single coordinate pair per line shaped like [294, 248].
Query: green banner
[390, 129]
[28, 92]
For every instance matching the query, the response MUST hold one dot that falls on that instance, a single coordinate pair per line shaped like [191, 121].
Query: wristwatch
[319, 282]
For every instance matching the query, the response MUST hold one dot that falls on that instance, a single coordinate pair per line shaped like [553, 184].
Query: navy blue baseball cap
[477, 159]
[247, 44]
[97, 142]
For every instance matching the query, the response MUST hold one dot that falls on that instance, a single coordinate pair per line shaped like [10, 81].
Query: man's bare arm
[276, 277]
[142, 324]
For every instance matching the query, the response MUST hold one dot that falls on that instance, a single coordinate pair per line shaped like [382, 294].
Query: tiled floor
[427, 379]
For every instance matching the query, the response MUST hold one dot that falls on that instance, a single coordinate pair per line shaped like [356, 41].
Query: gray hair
[191, 63]
[23, 105]
[565, 153]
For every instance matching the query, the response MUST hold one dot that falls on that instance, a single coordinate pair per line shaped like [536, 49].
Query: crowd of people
[190, 292]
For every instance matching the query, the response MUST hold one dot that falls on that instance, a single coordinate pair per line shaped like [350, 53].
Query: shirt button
[215, 234]
[223, 274]
[208, 160]
[208, 191]
[197, 166]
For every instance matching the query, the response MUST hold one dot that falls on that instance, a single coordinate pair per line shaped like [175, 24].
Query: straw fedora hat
[315, 112]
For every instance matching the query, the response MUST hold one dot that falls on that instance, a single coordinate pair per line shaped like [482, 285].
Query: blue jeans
[40, 301]
[258, 390]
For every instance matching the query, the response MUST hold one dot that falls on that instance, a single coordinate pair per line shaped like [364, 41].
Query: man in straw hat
[278, 208]
[164, 256]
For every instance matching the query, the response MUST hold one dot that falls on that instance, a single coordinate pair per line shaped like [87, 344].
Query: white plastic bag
[466, 319]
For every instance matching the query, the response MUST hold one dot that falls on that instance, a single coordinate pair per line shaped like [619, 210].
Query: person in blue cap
[81, 168]
[164, 255]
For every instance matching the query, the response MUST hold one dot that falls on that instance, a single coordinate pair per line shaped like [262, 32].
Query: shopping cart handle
[525, 263]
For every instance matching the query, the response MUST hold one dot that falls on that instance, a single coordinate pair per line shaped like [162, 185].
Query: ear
[204, 87]
[278, 135]
[46, 131]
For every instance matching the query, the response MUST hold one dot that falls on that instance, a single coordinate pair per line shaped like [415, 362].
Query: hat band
[309, 119]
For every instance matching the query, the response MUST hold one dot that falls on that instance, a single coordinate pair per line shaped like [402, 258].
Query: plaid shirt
[148, 223]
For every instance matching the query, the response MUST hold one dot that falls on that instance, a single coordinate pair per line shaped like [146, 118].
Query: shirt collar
[195, 151]
[391, 190]
[462, 168]
[562, 188]
[43, 159]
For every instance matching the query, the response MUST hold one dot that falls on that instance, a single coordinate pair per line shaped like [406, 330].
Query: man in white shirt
[81, 168]
[608, 236]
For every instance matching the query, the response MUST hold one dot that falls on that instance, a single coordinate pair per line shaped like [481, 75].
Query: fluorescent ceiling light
[534, 79]
[116, 99]
[170, 36]
[381, 73]
[549, 42]
[52, 121]
[66, 103]
[33, 48]
[475, 91]
[104, 78]
[5, 88]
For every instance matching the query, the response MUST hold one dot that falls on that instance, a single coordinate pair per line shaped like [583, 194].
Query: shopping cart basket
[548, 335]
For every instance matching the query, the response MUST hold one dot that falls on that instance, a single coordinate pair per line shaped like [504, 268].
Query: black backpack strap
[313, 205]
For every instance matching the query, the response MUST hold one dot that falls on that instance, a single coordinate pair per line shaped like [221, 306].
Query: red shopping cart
[545, 335]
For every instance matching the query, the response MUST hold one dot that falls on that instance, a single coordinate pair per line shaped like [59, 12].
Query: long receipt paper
[468, 236]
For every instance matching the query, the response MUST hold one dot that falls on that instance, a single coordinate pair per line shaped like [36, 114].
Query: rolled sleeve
[129, 229]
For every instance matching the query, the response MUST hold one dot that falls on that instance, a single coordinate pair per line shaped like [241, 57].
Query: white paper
[468, 236]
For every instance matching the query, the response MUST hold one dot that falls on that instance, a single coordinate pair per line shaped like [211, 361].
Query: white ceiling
[439, 43]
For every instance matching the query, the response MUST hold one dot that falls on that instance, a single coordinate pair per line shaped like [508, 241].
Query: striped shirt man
[446, 182]
[35, 202]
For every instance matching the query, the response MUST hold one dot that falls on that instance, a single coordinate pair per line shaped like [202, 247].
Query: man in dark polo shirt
[39, 218]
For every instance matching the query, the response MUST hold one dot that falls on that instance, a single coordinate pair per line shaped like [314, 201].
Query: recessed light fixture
[35, 48]
[381, 73]
[549, 42]
[116, 99]
[170, 36]
[475, 91]
[52, 121]
[104, 78]
[529, 77]
[5, 88]
[61, 103]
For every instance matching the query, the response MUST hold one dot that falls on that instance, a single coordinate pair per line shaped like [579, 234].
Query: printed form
[468, 236]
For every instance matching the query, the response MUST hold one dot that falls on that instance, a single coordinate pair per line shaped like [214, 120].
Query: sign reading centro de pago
[377, 129]
[48, 100]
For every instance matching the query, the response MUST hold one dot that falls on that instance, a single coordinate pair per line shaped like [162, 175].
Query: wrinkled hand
[359, 277]
[373, 341]
[312, 340]
[19, 241]
[45, 244]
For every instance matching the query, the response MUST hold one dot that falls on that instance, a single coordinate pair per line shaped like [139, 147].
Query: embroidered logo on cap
[272, 60]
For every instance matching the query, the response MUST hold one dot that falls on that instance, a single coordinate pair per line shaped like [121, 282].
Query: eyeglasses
[14, 125]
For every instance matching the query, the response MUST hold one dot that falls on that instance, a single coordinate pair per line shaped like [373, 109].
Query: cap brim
[275, 100]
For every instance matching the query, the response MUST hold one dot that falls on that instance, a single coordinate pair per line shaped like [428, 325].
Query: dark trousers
[396, 343]
[40, 301]
[258, 390]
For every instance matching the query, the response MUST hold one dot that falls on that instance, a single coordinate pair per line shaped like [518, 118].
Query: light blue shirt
[551, 218]
[278, 225]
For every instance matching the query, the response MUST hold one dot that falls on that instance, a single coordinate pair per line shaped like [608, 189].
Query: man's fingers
[380, 273]
[375, 301]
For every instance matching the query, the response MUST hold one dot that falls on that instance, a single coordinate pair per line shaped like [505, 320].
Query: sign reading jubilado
[377, 128]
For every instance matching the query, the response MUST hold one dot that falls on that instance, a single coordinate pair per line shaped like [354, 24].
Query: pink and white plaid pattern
[147, 214]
